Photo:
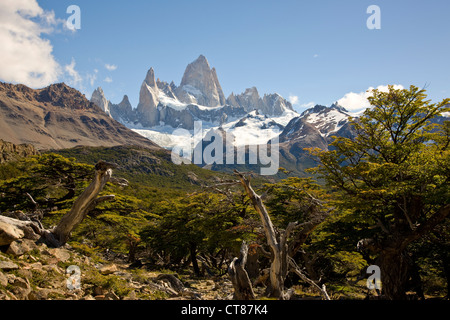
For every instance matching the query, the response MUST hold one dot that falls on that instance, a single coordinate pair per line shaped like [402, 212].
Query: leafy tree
[395, 174]
[50, 179]
[203, 223]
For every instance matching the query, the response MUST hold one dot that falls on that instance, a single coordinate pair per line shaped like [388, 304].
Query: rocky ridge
[59, 116]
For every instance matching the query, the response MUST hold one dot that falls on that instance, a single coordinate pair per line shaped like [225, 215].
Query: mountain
[163, 107]
[314, 128]
[99, 99]
[200, 85]
[59, 116]
[270, 104]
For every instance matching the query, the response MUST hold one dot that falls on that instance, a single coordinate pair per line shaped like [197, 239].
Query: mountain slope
[59, 116]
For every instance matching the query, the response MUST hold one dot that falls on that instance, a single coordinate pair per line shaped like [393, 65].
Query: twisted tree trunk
[243, 289]
[85, 202]
[279, 265]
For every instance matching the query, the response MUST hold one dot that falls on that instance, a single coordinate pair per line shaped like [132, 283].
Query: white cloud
[315, 56]
[108, 79]
[92, 77]
[358, 101]
[26, 57]
[75, 78]
[293, 99]
[110, 67]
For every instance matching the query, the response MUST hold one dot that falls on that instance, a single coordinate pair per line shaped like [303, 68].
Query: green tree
[395, 174]
[203, 223]
[50, 179]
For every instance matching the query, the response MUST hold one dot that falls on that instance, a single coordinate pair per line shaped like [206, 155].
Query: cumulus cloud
[110, 67]
[108, 79]
[26, 57]
[293, 99]
[358, 101]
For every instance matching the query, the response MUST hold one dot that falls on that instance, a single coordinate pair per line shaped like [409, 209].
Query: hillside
[57, 117]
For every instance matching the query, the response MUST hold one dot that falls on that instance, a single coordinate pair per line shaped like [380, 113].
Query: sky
[310, 52]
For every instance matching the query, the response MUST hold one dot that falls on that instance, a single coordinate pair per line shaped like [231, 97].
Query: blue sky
[317, 51]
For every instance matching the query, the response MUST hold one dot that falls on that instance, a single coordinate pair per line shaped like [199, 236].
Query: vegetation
[385, 202]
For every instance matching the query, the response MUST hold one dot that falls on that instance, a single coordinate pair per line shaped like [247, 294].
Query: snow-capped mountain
[327, 121]
[164, 107]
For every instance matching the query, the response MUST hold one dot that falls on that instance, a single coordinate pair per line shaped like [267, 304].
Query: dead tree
[239, 278]
[280, 254]
[85, 202]
[23, 227]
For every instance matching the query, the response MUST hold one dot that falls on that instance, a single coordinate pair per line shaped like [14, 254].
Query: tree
[395, 174]
[85, 202]
[197, 225]
[281, 255]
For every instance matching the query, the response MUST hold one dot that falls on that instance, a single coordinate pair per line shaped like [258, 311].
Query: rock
[99, 291]
[10, 151]
[9, 233]
[8, 265]
[61, 254]
[24, 273]
[200, 85]
[148, 101]
[88, 297]
[20, 288]
[19, 247]
[108, 269]
[98, 98]
[172, 281]
[111, 296]
[3, 280]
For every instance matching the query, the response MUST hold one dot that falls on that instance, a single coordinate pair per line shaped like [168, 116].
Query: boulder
[9, 233]
[20, 288]
[108, 269]
[8, 265]
[3, 280]
[20, 247]
[60, 254]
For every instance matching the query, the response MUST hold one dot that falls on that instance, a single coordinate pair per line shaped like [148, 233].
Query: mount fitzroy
[198, 97]
[163, 107]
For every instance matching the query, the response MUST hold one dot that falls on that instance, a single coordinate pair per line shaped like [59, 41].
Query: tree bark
[243, 289]
[394, 273]
[193, 254]
[84, 203]
[279, 257]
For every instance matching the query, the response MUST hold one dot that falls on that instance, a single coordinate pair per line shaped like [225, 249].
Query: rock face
[57, 117]
[99, 99]
[200, 85]
[270, 104]
[123, 112]
[10, 151]
[199, 97]
[148, 101]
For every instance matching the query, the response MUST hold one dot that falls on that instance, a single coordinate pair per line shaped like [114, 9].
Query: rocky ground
[30, 271]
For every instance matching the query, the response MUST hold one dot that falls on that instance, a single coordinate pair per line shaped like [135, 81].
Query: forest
[381, 199]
